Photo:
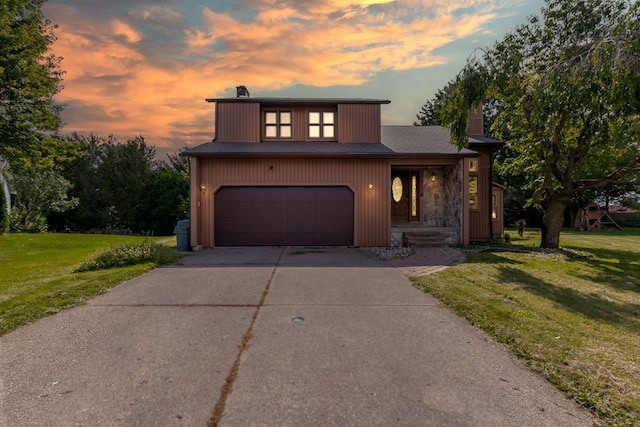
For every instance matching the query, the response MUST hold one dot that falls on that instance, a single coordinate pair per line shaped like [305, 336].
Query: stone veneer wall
[441, 203]
[453, 203]
[442, 198]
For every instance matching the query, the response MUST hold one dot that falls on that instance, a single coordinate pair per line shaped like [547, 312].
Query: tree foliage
[30, 76]
[567, 83]
[122, 188]
[429, 114]
[40, 191]
[516, 197]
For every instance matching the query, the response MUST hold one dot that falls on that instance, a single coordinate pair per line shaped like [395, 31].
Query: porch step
[424, 239]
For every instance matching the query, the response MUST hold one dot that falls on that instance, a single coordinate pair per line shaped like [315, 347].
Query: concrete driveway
[269, 337]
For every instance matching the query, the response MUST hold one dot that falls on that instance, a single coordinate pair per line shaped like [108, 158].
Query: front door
[405, 199]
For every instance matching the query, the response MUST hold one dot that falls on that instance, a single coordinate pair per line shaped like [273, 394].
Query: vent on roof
[242, 92]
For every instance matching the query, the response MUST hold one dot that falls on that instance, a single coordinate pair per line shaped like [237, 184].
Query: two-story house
[321, 172]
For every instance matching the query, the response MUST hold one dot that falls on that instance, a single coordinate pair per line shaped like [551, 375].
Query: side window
[277, 124]
[473, 192]
[494, 206]
[322, 124]
[473, 184]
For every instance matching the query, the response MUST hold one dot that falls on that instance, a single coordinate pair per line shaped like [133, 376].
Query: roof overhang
[306, 150]
[300, 101]
[483, 141]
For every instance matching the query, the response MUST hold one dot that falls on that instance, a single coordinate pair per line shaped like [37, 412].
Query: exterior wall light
[370, 187]
[433, 177]
[203, 188]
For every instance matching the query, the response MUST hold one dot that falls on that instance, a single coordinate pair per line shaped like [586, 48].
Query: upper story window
[322, 124]
[473, 165]
[277, 124]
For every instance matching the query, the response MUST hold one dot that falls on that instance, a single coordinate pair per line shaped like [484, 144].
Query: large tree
[429, 114]
[30, 76]
[569, 89]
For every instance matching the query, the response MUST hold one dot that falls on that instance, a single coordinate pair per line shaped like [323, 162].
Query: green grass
[574, 315]
[39, 275]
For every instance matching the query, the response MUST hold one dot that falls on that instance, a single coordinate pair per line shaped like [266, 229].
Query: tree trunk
[552, 221]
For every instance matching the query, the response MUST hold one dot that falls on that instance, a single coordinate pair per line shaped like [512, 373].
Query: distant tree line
[120, 187]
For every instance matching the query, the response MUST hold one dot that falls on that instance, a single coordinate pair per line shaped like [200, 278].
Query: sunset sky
[135, 67]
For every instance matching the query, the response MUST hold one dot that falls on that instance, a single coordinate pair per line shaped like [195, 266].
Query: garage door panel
[240, 208]
[294, 224]
[312, 223]
[293, 207]
[311, 193]
[252, 216]
[295, 238]
[273, 208]
[258, 196]
[340, 227]
[326, 209]
[310, 208]
[293, 192]
[259, 224]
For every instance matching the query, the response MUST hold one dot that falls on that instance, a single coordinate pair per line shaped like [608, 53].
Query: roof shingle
[397, 141]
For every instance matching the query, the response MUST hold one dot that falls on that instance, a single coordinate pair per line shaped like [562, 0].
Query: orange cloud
[121, 80]
[121, 28]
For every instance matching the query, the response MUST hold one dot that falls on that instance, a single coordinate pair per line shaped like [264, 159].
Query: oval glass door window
[396, 189]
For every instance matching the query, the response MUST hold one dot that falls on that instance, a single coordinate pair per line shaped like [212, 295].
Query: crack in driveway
[227, 387]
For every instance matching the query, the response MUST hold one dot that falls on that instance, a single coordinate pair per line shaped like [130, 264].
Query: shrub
[21, 222]
[130, 254]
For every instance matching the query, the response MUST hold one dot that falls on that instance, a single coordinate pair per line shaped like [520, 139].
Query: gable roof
[421, 140]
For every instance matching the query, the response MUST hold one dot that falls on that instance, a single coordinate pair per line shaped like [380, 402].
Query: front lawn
[574, 315]
[38, 275]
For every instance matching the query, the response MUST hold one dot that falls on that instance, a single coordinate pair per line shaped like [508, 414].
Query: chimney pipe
[242, 92]
[475, 121]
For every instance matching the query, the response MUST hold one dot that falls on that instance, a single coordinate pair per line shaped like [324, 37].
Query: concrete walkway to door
[269, 337]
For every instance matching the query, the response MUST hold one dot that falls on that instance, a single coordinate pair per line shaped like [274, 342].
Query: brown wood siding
[299, 124]
[194, 199]
[464, 163]
[371, 207]
[479, 219]
[237, 122]
[359, 123]
[475, 121]
[243, 122]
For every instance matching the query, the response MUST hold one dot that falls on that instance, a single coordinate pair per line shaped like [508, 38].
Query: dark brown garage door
[283, 216]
